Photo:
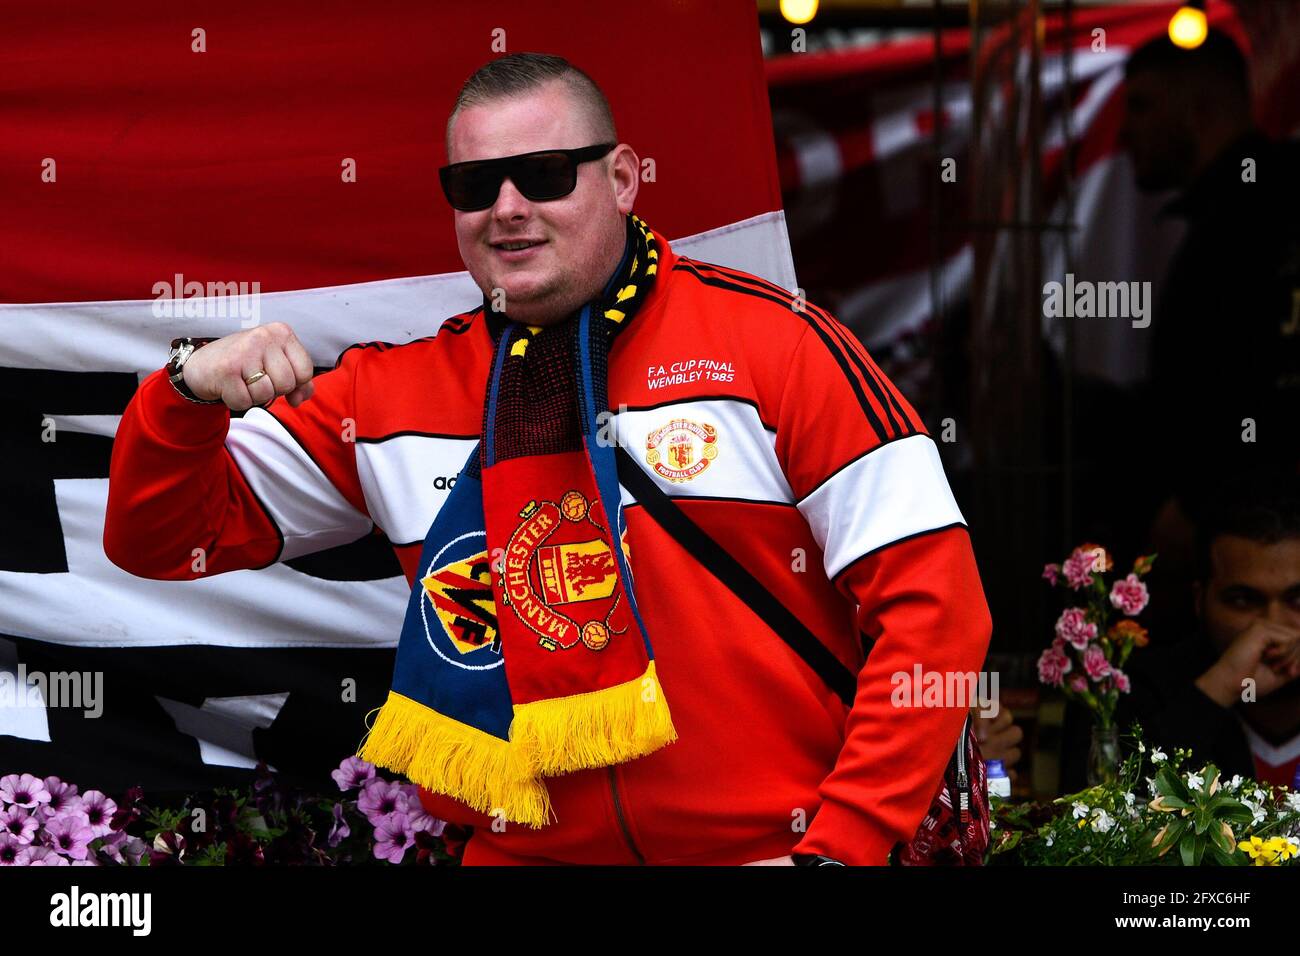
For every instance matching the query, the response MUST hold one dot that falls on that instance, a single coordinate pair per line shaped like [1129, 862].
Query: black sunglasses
[541, 176]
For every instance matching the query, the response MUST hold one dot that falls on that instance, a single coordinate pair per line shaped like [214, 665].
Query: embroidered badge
[559, 578]
[461, 595]
[681, 449]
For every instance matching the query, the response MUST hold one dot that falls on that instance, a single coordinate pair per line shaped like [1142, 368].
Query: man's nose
[511, 203]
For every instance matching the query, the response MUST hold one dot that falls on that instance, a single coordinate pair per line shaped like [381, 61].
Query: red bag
[955, 831]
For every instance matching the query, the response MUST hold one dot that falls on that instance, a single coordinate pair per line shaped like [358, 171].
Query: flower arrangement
[1180, 817]
[1096, 634]
[47, 822]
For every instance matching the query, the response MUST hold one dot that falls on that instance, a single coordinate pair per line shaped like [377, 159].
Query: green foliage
[1177, 818]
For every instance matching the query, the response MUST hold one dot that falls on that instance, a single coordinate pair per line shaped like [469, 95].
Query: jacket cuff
[171, 418]
[845, 834]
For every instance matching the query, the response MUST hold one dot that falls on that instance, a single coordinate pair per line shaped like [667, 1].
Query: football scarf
[523, 653]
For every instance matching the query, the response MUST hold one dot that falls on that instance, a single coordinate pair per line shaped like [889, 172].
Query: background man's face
[1248, 581]
[1156, 132]
[580, 236]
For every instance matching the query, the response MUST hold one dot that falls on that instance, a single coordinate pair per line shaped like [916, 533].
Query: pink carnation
[1073, 626]
[1095, 663]
[1051, 573]
[1078, 568]
[1078, 683]
[1121, 680]
[1053, 665]
[1129, 595]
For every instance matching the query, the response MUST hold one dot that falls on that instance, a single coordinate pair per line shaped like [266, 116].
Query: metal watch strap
[176, 368]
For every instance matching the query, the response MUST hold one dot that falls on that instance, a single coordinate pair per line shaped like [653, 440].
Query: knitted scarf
[523, 654]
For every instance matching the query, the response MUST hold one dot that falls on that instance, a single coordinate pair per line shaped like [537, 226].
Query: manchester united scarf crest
[523, 653]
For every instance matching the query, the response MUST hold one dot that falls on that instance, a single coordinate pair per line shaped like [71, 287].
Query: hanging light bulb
[798, 11]
[1187, 27]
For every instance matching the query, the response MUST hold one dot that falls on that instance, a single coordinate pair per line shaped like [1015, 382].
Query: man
[1225, 357]
[762, 417]
[1230, 692]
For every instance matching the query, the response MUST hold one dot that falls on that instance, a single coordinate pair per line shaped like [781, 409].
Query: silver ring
[255, 377]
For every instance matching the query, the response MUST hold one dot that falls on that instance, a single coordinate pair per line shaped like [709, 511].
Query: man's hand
[1266, 652]
[775, 861]
[218, 370]
[999, 738]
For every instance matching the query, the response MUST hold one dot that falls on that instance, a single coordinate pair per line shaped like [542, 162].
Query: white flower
[1102, 821]
[1080, 809]
[1255, 809]
[1293, 801]
[1129, 797]
[1142, 748]
[1158, 756]
[1195, 781]
[1259, 795]
[1151, 788]
[1051, 838]
[1235, 783]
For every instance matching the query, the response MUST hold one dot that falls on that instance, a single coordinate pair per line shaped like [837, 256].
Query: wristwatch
[810, 859]
[181, 350]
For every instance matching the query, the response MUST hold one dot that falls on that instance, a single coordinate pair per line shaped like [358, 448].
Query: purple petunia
[121, 847]
[420, 818]
[339, 829]
[11, 850]
[353, 772]
[99, 810]
[70, 835]
[379, 798]
[41, 856]
[18, 822]
[63, 796]
[393, 836]
[24, 790]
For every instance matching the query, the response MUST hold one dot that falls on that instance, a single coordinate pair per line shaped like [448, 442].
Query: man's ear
[625, 168]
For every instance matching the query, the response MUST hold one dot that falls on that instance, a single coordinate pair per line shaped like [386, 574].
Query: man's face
[580, 236]
[1249, 581]
[1157, 132]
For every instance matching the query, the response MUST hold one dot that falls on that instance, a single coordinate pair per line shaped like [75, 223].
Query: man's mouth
[514, 245]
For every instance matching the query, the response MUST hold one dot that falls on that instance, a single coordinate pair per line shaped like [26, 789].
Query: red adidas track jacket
[821, 480]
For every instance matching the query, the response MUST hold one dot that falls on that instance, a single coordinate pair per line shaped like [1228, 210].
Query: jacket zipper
[963, 782]
[622, 822]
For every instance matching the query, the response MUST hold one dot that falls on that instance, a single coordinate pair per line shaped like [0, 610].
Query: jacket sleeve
[869, 482]
[194, 491]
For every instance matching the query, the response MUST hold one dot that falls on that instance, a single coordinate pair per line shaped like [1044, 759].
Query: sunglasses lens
[471, 188]
[547, 176]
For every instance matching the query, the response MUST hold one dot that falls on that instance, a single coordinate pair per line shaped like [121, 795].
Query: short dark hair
[518, 73]
[1264, 508]
[1216, 67]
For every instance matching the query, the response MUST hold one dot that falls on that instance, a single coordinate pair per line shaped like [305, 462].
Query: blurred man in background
[1229, 692]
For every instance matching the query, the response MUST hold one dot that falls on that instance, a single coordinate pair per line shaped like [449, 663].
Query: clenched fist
[221, 369]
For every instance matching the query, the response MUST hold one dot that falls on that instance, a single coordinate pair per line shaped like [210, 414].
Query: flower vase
[1103, 755]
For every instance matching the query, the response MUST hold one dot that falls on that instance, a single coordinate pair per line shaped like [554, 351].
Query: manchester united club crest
[460, 594]
[559, 576]
[681, 449]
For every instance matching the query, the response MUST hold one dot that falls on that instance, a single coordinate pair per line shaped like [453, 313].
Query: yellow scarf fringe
[557, 736]
[598, 728]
